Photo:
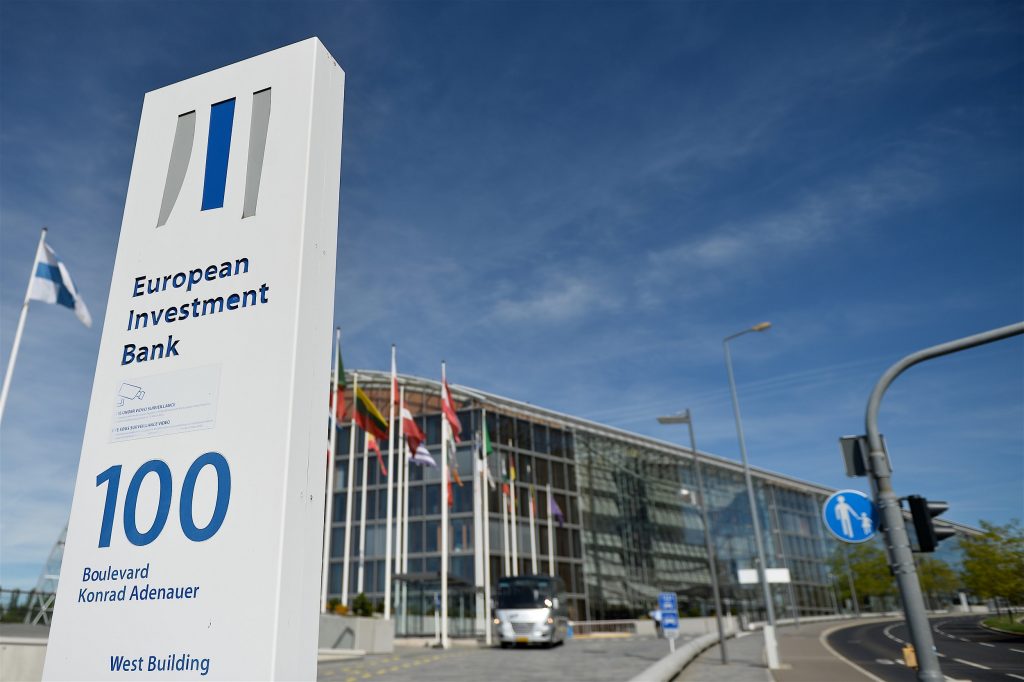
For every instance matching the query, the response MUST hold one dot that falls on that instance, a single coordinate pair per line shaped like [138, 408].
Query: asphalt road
[966, 650]
[589, 660]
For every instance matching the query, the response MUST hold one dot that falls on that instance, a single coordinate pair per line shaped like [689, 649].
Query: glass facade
[629, 531]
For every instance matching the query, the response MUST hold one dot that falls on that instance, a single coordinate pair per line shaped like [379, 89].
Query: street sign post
[668, 604]
[850, 516]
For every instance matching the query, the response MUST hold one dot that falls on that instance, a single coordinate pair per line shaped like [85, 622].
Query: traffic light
[928, 534]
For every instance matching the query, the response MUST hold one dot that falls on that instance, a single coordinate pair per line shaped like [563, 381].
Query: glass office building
[629, 530]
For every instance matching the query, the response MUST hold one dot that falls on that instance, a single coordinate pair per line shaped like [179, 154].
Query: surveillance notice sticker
[165, 404]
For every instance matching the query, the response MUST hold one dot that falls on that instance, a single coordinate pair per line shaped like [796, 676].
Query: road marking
[993, 646]
[976, 665]
[888, 633]
[823, 639]
[883, 661]
[1017, 676]
[1019, 651]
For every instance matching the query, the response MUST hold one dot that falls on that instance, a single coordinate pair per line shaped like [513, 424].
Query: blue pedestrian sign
[667, 602]
[669, 620]
[850, 515]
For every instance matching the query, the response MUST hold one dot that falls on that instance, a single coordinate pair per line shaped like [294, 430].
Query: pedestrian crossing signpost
[850, 516]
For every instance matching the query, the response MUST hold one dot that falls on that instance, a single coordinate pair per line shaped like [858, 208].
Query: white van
[531, 609]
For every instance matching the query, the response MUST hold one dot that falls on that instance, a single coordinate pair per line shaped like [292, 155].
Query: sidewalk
[804, 659]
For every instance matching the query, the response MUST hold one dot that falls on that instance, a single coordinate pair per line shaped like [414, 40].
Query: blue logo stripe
[222, 116]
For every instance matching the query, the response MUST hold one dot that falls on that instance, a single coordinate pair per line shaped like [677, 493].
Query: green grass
[1005, 623]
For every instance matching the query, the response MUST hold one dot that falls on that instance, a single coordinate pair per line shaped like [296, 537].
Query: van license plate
[522, 640]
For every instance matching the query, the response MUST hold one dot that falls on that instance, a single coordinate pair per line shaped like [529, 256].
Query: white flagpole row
[551, 536]
[351, 493]
[21, 328]
[329, 499]
[390, 501]
[399, 492]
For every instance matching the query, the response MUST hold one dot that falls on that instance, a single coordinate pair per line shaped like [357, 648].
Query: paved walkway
[804, 659]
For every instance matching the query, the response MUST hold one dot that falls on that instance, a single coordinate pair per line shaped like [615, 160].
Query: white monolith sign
[194, 544]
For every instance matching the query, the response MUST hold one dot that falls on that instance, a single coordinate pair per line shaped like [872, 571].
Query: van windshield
[523, 593]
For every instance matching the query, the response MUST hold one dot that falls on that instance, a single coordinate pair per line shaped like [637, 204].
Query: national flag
[372, 443]
[533, 502]
[368, 417]
[339, 389]
[488, 446]
[413, 434]
[448, 407]
[453, 463]
[51, 283]
[422, 457]
[451, 493]
[511, 467]
[556, 511]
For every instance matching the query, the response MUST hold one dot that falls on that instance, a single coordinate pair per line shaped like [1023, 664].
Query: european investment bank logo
[218, 147]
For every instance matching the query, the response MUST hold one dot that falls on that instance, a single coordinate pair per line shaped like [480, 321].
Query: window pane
[432, 534]
[506, 432]
[415, 536]
[523, 435]
[540, 438]
[433, 499]
[416, 500]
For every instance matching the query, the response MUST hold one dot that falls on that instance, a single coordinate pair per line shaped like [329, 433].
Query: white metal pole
[551, 535]
[533, 532]
[505, 548]
[444, 518]
[487, 544]
[391, 498]
[21, 328]
[513, 521]
[346, 561]
[329, 500]
[360, 585]
[405, 526]
[478, 542]
[400, 465]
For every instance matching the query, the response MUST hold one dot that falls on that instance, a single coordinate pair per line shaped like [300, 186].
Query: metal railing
[593, 627]
[26, 606]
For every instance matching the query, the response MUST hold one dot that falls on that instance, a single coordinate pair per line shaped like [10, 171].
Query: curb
[670, 666]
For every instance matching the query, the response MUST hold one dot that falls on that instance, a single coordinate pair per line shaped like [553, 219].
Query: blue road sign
[669, 620]
[667, 602]
[850, 516]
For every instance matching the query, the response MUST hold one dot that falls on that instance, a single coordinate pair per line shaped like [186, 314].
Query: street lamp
[770, 645]
[684, 418]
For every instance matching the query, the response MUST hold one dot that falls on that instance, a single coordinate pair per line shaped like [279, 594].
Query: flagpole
[405, 528]
[551, 536]
[485, 474]
[513, 521]
[445, 427]
[21, 328]
[478, 541]
[402, 464]
[533, 529]
[391, 459]
[362, 517]
[345, 573]
[329, 499]
[504, 531]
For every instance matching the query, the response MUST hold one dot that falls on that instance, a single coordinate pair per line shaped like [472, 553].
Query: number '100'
[112, 477]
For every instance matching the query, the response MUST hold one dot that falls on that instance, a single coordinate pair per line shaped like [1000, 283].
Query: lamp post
[684, 418]
[770, 645]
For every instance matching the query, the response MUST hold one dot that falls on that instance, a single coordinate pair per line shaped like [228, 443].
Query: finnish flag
[51, 283]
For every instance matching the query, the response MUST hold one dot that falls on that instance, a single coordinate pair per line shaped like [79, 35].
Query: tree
[362, 606]
[993, 564]
[871, 575]
[937, 578]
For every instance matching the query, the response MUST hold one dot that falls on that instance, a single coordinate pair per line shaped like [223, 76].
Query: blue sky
[573, 203]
